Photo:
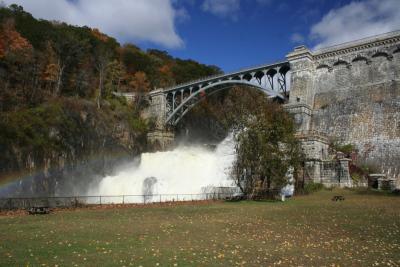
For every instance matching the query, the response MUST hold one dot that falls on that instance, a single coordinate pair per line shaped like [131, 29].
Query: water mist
[184, 170]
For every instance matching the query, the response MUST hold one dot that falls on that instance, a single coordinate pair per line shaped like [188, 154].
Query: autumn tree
[51, 68]
[68, 49]
[165, 76]
[140, 86]
[17, 59]
[11, 40]
[103, 58]
[115, 76]
[266, 146]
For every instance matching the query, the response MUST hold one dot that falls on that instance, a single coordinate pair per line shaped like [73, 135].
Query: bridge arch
[169, 105]
[197, 96]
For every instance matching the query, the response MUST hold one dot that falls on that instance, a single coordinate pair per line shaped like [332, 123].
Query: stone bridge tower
[319, 166]
[162, 137]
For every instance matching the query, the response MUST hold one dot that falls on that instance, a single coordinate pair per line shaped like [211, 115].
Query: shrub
[312, 187]
[357, 178]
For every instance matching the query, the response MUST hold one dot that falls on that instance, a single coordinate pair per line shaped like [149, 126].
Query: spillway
[184, 173]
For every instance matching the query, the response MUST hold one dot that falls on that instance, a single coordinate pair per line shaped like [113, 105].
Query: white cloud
[222, 8]
[356, 20]
[127, 20]
[297, 38]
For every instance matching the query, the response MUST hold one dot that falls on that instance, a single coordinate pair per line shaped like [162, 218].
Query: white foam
[184, 170]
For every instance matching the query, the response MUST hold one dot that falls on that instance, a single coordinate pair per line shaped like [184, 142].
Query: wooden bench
[39, 210]
[338, 198]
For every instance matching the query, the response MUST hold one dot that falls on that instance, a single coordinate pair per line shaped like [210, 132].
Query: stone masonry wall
[357, 98]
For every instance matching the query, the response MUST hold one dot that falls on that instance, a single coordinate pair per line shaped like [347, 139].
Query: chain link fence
[81, 201]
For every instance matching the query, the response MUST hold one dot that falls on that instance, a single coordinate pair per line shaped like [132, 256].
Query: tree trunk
[268, 183]
[101, 78]
[59, 80]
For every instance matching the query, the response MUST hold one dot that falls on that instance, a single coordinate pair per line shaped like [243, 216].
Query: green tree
[69, 50]
[115, 76]
[266, 145]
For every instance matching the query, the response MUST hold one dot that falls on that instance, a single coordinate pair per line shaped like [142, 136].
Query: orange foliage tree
[11, 40]
[140, 83]
[140, 86]
[99, 35]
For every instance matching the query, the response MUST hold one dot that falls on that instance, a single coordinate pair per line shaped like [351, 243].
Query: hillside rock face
[351, 93]
[71, 148]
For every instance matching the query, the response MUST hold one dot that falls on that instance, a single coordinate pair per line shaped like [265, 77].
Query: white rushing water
[184, 170]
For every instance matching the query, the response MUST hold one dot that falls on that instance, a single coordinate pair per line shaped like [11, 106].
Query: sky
[231, 34]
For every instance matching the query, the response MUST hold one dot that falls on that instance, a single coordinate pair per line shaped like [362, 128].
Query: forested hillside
[41, 59]
[58, 117]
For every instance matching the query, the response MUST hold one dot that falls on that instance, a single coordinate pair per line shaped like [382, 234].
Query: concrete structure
[349, 92]
[130, 97]
[381, 182]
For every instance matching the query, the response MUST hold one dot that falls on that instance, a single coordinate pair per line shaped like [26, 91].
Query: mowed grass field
[363, 230]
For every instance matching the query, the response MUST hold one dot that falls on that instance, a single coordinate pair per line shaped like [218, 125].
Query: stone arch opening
[381, 54]
[360, 59]
[341, 63]
[324, 67]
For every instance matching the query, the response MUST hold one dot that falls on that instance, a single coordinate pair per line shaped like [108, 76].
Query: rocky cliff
[61, 147]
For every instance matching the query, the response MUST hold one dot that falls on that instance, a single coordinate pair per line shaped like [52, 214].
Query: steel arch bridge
[180, 99]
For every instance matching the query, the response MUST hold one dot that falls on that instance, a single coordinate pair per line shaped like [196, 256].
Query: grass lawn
[363, 230]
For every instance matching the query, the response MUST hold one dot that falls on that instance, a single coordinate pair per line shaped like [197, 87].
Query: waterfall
[184, 170]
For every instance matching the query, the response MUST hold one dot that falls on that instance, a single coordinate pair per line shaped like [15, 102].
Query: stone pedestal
[315, 149]
[387, 184]
[160, 140]
[382, 182]
[344, 173]
[320, 165]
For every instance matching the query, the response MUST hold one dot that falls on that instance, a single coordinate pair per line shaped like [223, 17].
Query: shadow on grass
[375, 192]
[250, 201]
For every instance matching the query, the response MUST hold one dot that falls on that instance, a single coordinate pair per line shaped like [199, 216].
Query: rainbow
[10, 179]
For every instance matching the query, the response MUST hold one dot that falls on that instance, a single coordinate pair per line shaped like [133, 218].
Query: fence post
[100, 200]
[160, 198]
[123, 199]
[10, 203]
